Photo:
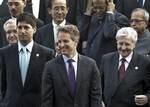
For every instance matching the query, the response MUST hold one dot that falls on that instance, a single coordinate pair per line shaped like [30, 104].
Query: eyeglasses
[136, 20]
[13, 3]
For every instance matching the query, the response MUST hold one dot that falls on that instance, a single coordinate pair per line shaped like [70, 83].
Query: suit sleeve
[47, 89]
[95, 89]
[147, 82]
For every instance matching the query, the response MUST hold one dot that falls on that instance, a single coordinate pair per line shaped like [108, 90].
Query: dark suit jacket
[43, 13]
[100, 36]
[3, 41]
[56, 91]
[15, 94]
[126, 6]
[45, 36]
[136, 81]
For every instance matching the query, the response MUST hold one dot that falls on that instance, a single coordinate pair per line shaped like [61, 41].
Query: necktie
[122, 69]
[140, 3]
[71, 76]
[23, 63]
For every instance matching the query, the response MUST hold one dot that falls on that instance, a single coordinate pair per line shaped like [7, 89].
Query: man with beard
[98, 28]
[16, 7]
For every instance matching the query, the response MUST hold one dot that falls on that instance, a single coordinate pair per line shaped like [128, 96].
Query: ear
[35, 29]
[49, 11]
[25, 3]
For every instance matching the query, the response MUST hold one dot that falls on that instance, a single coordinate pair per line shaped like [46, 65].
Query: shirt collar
[75, 58]
[28, 46]
[128, 58]
[61, 24]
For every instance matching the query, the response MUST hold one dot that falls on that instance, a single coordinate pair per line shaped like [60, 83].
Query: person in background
[98, 27]
[10, 28]
[139, 21]
[47, 35]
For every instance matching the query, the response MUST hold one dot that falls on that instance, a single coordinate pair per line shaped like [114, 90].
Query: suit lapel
[114, 73]
[15, 64]
[34, 59]
[80, 69]
[129, 70]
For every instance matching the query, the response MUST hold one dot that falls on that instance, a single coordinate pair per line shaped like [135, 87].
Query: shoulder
[109, 55]
[121, 19]
[45, 28]
[43, 48]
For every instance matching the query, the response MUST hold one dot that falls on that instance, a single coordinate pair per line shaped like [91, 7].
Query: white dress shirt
[55, 28]
[128, 59]
[36, 7]
[75, 58]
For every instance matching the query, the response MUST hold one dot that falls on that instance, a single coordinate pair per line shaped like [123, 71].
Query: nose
[61, 44]
[123, 47]
[59, 11]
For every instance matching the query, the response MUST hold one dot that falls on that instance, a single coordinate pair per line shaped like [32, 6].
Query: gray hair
[146, 14]
[9, 21]
[127, 32]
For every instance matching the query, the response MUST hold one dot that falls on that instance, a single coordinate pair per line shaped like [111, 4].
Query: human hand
[141, 100]
[111, 6]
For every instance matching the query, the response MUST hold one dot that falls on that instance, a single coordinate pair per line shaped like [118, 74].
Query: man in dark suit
[47, 35]
[16, 7]
[4, 11]
[98, 28]
[22, 66]
[70, 79]
[38, 8]
[127, 6]
[125, 74]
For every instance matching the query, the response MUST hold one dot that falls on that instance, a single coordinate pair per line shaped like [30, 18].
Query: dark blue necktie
[71, 76]
[140, 3]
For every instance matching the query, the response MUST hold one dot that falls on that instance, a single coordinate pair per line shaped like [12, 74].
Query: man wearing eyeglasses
[139, 21]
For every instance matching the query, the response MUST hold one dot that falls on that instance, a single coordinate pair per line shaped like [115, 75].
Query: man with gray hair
[10, 28]
[125, 73]
[139, 21]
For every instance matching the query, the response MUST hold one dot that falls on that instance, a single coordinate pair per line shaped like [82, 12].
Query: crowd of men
[74, 53]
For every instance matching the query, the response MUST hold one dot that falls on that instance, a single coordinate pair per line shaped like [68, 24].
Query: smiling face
[11, 33]
[125, 46]
[66, 45]
[25, 32]
[59, 11]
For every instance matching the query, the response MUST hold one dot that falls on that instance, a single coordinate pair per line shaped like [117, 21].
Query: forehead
[63, 35]
[10, 26]
[137, 14]
[23, 24]
[99, 2]
[58, 4]
[15, 1]
[124, 39]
